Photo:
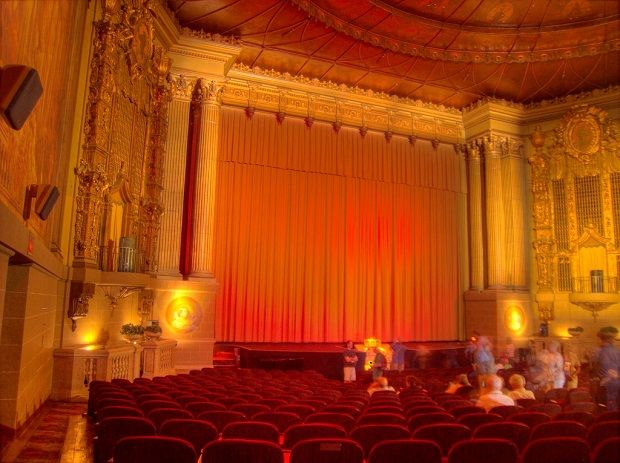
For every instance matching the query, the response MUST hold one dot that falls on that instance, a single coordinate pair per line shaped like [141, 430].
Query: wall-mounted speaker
[20, 89]
[46, 196]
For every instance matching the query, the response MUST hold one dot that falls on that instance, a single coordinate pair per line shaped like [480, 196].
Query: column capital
[209, 92]
[181, 87]
[492, 145]
[473, 152]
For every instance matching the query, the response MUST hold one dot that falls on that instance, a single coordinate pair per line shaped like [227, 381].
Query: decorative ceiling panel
[450, 52]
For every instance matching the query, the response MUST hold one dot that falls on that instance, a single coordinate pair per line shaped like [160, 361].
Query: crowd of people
[551, 367]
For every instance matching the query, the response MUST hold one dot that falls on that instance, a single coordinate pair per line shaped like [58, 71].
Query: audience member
[460, 381]
[350, 362]
[484, 362]
[378, 364]
[380, 384]
[554, 366]
[517, 383]
[607, 365]
[398, 356]
[572, 366]
[494, 397]
[509, 351]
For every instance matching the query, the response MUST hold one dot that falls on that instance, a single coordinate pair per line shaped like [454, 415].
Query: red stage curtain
[324, 236]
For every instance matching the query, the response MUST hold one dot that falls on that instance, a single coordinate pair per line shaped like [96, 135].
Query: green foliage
[129, 329]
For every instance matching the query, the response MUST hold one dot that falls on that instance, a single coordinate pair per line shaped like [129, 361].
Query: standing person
[350, 362]
[554, 364]
[484, 362]
[607, 362]
[398, 356]
[572, 366]
[378, 364]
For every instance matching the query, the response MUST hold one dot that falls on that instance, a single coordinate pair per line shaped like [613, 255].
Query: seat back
[201, 406]
[518, 433]
[607, 451]
[256, 430]
[484, 449]
[557, 450]
[341, 419]
[444, 434]
[159, 415]
[418, 421]
[417, 409]
[242, 450]
[551, 409]
[381, 418]
[149, 405]
[154, 449]
[465, 410]
[368, 435]
[598, 432]
[405, 451]
[303, 431]
[250, 409]
[473, 420]
[301, 410]
[281, 420]
[531, 419]
[331, 450]
[197, 432]
[221, 418]
[111, 430]
[558, 428]
[506, 410]
[118, 410]
[584, 418]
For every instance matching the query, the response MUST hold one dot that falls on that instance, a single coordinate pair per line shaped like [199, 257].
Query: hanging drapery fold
[323, 236]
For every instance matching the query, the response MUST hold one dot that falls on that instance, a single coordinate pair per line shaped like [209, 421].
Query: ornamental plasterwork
[127, 83]
[181, 87]
[455, 55]
[584, 144]
[345, 110]
[575, 98]
[341, 88]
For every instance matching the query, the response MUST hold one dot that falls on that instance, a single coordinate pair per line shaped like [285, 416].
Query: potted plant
[152, 330]
[575, 331]
[132, 332]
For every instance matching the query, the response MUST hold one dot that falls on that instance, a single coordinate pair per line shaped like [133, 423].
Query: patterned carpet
[44, 439]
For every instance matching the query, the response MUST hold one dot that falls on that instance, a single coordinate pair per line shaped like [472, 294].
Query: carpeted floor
[56, 434]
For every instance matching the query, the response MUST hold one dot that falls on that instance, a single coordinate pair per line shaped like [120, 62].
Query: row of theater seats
[256, 416]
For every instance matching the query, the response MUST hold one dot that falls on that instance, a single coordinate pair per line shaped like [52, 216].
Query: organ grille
[560, 215]
[588, 203]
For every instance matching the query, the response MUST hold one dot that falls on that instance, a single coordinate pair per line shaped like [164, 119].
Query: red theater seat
[518, 433]
[405, 451]
[256, 430]
[444, 434]
[482, 450]
[197, 432]
[304, 431]
[370, 434]
[154, 449]
[333, 450]
[607, 451]
[557, 450]
[242, 450]
[558, 428]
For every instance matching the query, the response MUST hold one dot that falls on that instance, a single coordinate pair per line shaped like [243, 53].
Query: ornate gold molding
[298, 96]
[455, 55]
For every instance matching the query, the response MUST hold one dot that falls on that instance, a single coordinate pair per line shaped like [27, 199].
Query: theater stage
[326, 358]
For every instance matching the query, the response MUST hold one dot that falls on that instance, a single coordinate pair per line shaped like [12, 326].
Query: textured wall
[35, 153]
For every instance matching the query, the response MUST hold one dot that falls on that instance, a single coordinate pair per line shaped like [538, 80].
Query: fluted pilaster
[475, 217]
[496, 255]
[514, 209]
[174, 176]
[209, 96]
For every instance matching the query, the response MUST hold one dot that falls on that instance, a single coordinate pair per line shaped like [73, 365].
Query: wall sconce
[514, 319]
[46, 195]
[183, 315]
[81, 293]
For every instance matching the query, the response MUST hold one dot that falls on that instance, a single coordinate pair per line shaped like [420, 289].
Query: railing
[595, 284]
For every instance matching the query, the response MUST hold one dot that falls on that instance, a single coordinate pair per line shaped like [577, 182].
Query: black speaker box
[20, 89]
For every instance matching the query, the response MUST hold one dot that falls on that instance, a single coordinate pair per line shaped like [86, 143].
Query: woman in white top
[555, 366]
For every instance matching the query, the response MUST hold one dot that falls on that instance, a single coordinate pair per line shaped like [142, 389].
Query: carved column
[475, 217]
[174, 175]
[209, 96]
[151, 207]
[494, 212]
